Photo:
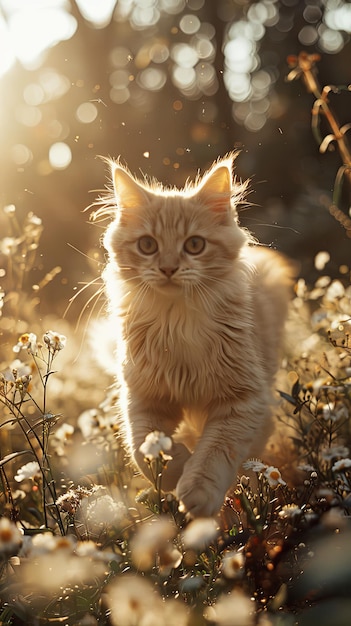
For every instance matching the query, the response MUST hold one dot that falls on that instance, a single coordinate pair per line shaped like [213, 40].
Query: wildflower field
[85, 540]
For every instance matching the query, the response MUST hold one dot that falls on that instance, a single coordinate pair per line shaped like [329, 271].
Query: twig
[304, 66]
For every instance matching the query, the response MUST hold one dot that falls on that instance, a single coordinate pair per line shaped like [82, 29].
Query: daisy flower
[27, 341]
[273, 476]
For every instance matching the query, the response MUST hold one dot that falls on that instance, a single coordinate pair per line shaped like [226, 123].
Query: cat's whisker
[96, 296]
[85, 286]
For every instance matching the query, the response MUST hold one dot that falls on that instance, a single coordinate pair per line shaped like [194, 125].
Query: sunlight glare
[32, 31]
[98, 13]
[7, 56]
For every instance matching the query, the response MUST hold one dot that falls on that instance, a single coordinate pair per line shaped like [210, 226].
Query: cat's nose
[168, 271]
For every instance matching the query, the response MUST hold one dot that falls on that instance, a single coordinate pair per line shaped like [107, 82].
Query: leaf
[287, 397]
[296, 388]
[13, 455]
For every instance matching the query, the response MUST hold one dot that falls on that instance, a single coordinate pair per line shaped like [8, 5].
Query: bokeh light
[60, 155]
[86, 112]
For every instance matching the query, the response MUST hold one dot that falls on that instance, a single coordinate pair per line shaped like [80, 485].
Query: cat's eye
[147, 245]
[194, 245]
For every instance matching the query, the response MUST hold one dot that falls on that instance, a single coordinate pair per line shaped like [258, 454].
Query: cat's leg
[225, 443]
[143, 417]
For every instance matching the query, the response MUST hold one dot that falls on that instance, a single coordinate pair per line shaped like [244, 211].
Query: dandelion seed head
[255, 465]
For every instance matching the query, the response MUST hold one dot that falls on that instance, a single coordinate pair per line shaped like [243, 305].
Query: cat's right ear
[129, 194]
[215, 190]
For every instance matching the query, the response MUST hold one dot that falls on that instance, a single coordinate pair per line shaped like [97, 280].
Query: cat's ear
[129, 193]
[215, 190]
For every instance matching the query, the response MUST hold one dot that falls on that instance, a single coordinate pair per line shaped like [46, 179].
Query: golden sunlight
[30, 27]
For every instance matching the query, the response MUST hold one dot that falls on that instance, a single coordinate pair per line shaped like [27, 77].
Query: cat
[197, 310]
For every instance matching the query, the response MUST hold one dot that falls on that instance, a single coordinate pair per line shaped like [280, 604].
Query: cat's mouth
[168, 283]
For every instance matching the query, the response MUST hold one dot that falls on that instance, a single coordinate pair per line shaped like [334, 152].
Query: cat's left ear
[129, 194]
[216, 189]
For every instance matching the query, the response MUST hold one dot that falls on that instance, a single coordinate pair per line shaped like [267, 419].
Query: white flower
[155, 444]
[233, 609]
[26, 341]
[9, 209]
[29, 470]
[45, 543]
[335, 290]
[8, 245]
[54, 340]
[273, 477]
[133, 601]
[199, 533]
[341, 465]
[335, 412]
[64, 433]
[232, 565]
[289, 511]
[151, 539]
[10, 538]
[305, 467]
[255, 465]
[334, 451]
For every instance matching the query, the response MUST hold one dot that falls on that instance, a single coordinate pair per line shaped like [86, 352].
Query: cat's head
[172, 240]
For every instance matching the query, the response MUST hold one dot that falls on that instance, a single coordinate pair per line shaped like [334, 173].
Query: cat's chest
[185, 357]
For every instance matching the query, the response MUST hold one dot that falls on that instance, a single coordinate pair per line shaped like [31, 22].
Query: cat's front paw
[199, 497]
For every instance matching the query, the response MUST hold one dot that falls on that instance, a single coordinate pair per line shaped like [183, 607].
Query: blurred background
[169, 86]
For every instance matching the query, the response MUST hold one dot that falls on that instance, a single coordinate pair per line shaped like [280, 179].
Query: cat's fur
[197, 335]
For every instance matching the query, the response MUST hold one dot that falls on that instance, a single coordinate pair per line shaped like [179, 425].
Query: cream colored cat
[197, 311]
